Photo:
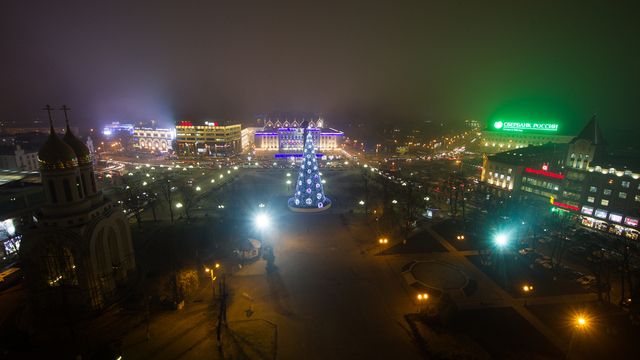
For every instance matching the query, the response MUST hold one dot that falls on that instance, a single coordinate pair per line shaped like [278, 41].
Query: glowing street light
[501, 240]
[212, 181]
[198, 188]
[361, 202]
[220, 206]
[210, 271]
[220, 176]
[262, 221]
[526, 289]
[288, 174]
[178, 205]
[288, 182]
[261, 205]
[394, 201]
[422, 297]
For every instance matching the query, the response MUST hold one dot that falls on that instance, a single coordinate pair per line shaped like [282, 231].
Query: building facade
[208, 139]
[17, 159]
[153, 138]
[289, 137]
[578, 177]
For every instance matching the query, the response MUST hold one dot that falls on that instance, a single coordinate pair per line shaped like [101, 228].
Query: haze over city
[357, 61]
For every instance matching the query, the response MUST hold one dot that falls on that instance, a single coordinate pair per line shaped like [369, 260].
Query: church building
[81, 250]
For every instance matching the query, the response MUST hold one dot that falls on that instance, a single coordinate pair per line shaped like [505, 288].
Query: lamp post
[210, 271]
[179, 205]
[581, 323]
[382, 241]
[422, 297]
[526, 288]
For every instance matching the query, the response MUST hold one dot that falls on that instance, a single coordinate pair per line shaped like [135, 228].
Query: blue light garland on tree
[309, 193]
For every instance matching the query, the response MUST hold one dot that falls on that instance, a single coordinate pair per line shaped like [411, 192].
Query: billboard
[524, 126]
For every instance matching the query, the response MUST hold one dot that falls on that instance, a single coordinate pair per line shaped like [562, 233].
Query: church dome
[56, 154]
[81, 150]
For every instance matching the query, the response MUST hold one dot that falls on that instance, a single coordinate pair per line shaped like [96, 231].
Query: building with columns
[81, 249]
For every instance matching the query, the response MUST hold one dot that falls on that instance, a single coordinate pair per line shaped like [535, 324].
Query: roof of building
[526, 155]
[617, 162]
[56, 154]
[79, 148]
[591, 132]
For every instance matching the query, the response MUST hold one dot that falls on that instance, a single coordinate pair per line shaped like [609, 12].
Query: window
[591, 199]
[637, 197]
[622, 195]
[607, 192]
[593, 189]
[601, 213]
[54, 196]
[587, 210]
[625, 184]
[604, 202]
[66, 185]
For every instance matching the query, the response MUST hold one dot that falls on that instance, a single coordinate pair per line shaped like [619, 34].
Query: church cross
[49, 108]
[65, 108]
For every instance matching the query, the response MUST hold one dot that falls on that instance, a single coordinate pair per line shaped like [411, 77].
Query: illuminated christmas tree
[309, 195]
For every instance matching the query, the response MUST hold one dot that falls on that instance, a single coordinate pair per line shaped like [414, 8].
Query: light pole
[527, 288]
[179, 205]
[581, 323]
[382, 241]
[422, 297]
[210, 271]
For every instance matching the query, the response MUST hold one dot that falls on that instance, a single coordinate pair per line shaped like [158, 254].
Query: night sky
[348, 60]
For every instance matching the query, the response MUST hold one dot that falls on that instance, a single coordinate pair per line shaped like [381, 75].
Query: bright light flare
[262, 221]
[501, 240]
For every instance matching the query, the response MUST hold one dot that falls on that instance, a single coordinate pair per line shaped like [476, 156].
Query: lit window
[622, 195]
[591, 199]
[625, 184]
[593, 189]
[604, 202]
[637, 197]
[607, 191]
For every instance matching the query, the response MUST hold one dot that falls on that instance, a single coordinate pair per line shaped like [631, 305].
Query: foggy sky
[348, 60]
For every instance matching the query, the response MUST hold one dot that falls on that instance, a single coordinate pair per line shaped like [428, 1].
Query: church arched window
[66, 185]
[93, 182]
[59, 267]
[79, 186]
[52, 191]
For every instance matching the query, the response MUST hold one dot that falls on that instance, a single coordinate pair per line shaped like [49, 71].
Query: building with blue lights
[286, 139]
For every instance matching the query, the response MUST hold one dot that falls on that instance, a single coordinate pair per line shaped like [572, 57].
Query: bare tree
[166, 193]
[411, 204]
[188, 196]
[153, 199]
[129, 194]
[365, 188]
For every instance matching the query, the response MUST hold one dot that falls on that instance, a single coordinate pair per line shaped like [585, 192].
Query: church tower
[82, 245]
[589, 144]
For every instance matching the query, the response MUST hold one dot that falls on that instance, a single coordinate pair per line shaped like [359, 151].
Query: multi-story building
[287, 139]
[578, 177]
[504, 135]
[17, 159]
[153, 138]
[208, 139]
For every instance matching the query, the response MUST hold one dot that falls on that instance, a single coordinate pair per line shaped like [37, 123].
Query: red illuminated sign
[566, 206]
[184, 123]
[631, 222]
[545, 167]
[545, 173]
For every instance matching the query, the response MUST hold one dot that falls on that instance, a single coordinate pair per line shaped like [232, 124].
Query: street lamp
[581, 323]
[382, 241]
[210, 271]
[526, 288]
[422, 297]
[501, 240]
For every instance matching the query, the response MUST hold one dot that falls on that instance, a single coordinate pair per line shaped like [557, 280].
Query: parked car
[547, 265]
[566, 270]
[544, 240]
[573, 275]
[525, 251]
[577, 249]
[586, 280]
[542, 260]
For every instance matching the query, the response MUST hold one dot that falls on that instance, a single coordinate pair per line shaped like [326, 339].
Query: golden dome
[81, 150]
[56, 154]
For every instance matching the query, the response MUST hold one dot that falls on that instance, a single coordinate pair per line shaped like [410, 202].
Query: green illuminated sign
[524, 126]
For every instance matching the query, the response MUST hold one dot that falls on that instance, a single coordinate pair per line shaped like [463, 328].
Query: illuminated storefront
[209, 139]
